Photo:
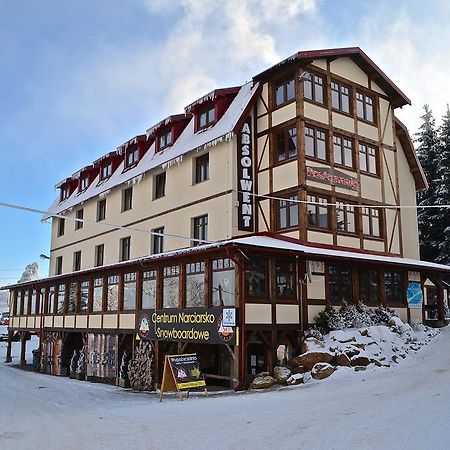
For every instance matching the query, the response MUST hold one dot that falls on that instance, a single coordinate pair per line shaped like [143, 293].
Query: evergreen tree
[428, 152]
[442, 215]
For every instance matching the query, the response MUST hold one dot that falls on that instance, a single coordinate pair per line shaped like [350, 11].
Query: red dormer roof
[398, 98]
[114, 157]
[212, 97]
[176, 124]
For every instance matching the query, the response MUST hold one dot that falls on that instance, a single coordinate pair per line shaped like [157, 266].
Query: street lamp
[42, 256]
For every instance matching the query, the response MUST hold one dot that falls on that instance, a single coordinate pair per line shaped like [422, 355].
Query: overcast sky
[80, 78]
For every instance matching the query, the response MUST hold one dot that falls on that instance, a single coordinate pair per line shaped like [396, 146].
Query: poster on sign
[181, 372]
[414, 295]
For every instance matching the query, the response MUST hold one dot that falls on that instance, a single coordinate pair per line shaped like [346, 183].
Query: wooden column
[23, 348]
[8, 358]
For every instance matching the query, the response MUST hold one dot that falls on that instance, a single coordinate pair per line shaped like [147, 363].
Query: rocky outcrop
[321, 371]
[263, 382]
[309, 360]
[281, 374]
[343, 360]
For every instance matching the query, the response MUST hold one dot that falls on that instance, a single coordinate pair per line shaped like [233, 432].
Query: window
[127, 199]
[257, 277]
[84, 182]
[33, 301]
[99, 255]
[59, 263]
[97, 300]
[157, 240]
[368, 158]
[317, 211]
[286, 144]
[129, 291]
[284, 90]
[315, 143]
[371, 222]
[61, 226]
[64, 193]
[106, 170]
[84, 296]
[343, 151]
[21, 295]
[206, 116]
[72, 297]
[223, 282]
[287, 212]
[171, 285]
[340, 283]
[313, 88]
[149, 289]
[368, 286]
[125, 247]
[202, 168]
[101, 210]
[200, 229]
[61, 299]
[165, 139]
[79, 216]
[26, 304]
[284, 279]
[112, 293]
[340, 97]
[159, 188]
[364, 107]
[393, 284]
[345, 218]
[195, 285]
[51, 300]
[76, 261]
[132, 157]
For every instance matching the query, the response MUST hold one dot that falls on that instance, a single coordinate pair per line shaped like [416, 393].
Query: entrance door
[256, 360]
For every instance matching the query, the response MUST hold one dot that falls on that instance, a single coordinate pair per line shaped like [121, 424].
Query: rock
[359, 368]
[281, 374]
[381, 363]
[352, 351]
[296, 378]
[299, 369]
[311, 344]
[364, 332]
[308, 360]
[360, 345]
[343, 360]
[397, 326]
[395, 358]
[360, 361]
[322, 370]
[263, 382]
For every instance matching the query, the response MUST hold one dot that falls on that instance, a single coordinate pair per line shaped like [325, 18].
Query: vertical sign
[245, 178]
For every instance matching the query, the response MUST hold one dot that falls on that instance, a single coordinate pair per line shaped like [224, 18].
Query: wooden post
[23, 348]
[8, 358]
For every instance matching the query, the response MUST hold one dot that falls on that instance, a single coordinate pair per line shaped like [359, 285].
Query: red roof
[357, 55]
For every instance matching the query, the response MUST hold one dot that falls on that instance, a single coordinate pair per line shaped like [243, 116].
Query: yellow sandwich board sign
[181, 372]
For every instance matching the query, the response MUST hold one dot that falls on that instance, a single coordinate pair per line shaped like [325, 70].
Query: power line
[105, 224]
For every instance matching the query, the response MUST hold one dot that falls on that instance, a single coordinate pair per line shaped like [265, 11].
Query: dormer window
[84, 182]
[132, 157]
[106, 170]
[165, 139]
[206, 116]
[64, 193]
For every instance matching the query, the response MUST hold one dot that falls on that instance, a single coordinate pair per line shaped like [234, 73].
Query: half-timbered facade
[226, 229]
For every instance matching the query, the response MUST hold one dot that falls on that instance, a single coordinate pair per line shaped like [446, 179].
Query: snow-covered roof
[186, 142]
[260, 241]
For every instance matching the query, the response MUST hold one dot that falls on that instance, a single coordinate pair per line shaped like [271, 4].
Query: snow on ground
[404, 406]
